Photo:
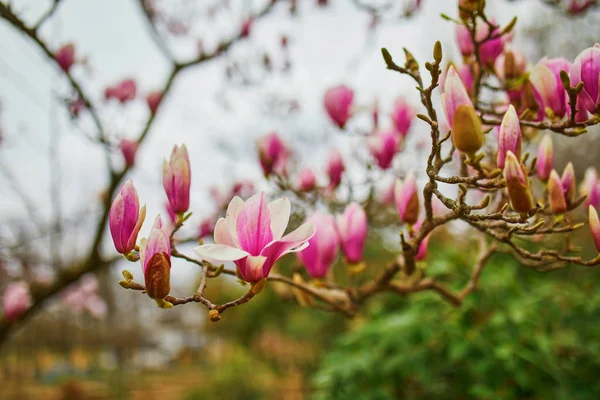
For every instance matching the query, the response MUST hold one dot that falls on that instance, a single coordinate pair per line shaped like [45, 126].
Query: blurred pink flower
[323, 246]
[16, 300]
[177, 179]
[65, 57]
[123, 91]
[128, 149]
[352, 231]
[338, 104]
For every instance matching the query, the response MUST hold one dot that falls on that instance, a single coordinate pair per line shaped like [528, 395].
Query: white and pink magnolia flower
[251, 235]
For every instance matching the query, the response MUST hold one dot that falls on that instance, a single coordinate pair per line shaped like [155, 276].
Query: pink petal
[252, 268]
[292, 242]
[254, 225]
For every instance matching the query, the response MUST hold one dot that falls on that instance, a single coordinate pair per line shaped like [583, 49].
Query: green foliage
[522, 335]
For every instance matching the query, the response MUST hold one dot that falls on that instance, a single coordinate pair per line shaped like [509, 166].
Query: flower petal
[220, 252]
[233, 210]
[251, 268]
[253, 225]
[292, 242]
[279, 211]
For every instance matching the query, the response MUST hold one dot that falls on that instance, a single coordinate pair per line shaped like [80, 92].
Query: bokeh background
[522, 335]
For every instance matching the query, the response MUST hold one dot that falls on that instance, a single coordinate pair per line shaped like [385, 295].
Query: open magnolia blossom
[251, 235]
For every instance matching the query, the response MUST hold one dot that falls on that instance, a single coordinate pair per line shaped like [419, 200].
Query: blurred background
[522, 335]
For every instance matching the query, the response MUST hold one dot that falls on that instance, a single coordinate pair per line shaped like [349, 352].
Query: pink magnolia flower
[402, 116]
[251, 235]
[586, 69]
[123, 91]
[16, 300]
[545, 158]
[246, 27]
[383, 147]
[307, 180]
[155, 256]
[509, 137]
[488, 50]
[335, 168]
[273, 154]
[463, 39]
[517, 184]
[170, 213]
[407, 198]
[323, 246]
[590, 187]
[153, 100]
[128, 149]
[454, 95]
[386, 193]
[65, 57]
[545, 77]
[338, 102]
[594, 226]
[352, 231]
[465, 74]
[126, 218]
[177, 179]
[422, 251]
[510, 64]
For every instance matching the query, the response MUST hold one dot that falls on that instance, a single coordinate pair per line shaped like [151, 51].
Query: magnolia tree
[490, 164]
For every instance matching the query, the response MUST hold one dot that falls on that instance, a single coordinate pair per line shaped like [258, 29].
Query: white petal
[279, 211]
[233, 210]
[220, 252]
[222, 233]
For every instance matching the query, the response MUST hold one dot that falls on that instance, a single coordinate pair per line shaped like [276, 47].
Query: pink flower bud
[338, 102]
[352, 231]
[491, 49]
[463, 39]
[335, 168]
[251, 235]
[575, 7]
[128, 149]
[545, 158]
[422, 251]
[550, 88]
[383, 146]
[407, 198]
[454, 95]
[558, 205]
[586, 69]
[595, 226]
[517, 184]
[273, 154]
[322, 248]
[16, 300]
[65, 57]
[177, 179]
[126, 218]
[509, 138]
[171, 214]
[402, 116]
[123, 91]
[307, 180]
[466, 76]
[386, 194]
[558, 100]
[155, 256]
[246, 26]
[153, 100]
[207, 227]
[510, 64]
[590, 187]
[568, 183]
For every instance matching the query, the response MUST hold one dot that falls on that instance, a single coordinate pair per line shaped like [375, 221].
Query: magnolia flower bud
[128, 149]
[586, 69]
[511, 64]
[517, 184]
[155, 256]
[335, 168]
[595, 226]
[590, 187]
[273, 154]
[323, 246]
[16, 300]
[463, 39]
[407, 198]
[126, 218]
[153, 100]
[65, 57]
[123, 92]
[454, 94]
[176, 179]
[558, 205]
[545, 158]
[338, 102]
[467, 132]
[383, 146]
[352, 232]
[402, 115]
[509, 138]
[568, 183]
[307, 180]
